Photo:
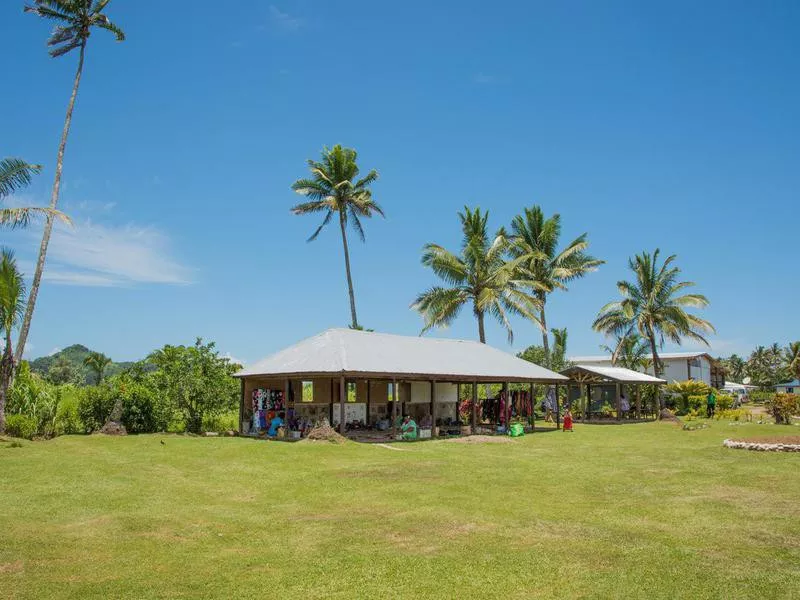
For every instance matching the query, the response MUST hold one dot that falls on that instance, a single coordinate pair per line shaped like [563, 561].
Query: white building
[678, 366]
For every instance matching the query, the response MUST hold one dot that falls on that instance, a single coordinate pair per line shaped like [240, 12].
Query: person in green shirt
[711, 404]
[409, 428]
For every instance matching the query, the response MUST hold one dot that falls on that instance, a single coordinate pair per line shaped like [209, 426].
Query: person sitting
[426, 422]
[408, 428]
[276, 422]
[383, 424]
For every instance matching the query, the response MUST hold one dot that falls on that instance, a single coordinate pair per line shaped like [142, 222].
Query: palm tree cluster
[97, 363]
[766, 366]
[503, 274]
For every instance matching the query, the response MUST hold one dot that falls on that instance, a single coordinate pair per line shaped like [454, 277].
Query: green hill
[70, 360]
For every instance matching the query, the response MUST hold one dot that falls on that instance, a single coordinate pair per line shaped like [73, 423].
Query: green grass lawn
[634, 511]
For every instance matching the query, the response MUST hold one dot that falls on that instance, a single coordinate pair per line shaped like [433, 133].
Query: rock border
[761, 447]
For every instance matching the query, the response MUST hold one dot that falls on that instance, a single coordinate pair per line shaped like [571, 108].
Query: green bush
[67, 419]
[724, 401]
[761, 396]
[95, 405]
[783, 406]
[222, 422]
[21, 426]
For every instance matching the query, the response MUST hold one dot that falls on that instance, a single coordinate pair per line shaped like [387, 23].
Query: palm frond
[15, 174]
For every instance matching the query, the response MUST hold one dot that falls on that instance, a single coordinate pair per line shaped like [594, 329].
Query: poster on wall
[352, 412]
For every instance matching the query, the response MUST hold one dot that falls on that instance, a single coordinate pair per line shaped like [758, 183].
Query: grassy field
[635, 511]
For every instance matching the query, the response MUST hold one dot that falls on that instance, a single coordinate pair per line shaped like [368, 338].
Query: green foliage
[653, 306]
[67, 418]
[766, 366]
[688, 395]
[95, 405]
[226, 421]
[196, 381]
[33, 397]
[761, 396]
[21, 426]
[783, 407]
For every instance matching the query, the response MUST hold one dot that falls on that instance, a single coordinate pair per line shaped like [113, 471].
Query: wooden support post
[619, 402]
[433, 407]
[638, 402]
[394, 409]
[342, 395]
[241, 407]
[368, 395]
[558, 408]
[330, 406]
[531, 416]
[507, 407]
[474, 405]
[587, 402]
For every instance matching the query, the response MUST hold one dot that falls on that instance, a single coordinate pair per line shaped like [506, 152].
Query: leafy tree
[765, 366]
[12, 303]
[557, 358]
[544, 266]
[75, 20]
[735, 367]
[97, 362]
[479, 275]
[62, 371]
[792, 357]
[195, 380]
[334, 190]
[16, 174]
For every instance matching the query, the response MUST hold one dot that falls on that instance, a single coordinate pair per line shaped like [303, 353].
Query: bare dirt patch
[771, 439]
[481, 439]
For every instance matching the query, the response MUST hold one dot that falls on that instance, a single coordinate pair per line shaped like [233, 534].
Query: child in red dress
[568, 420]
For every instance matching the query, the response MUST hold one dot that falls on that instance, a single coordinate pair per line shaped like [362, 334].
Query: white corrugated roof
[619, 374]
[346, 351]
[661, 355]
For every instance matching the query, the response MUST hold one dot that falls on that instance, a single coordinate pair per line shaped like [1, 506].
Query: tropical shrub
[761, 396]
[21, 426]
[32, 396]
[682, 391]
[783, 406]
[222, 422]
[95, 406]
[67, 420]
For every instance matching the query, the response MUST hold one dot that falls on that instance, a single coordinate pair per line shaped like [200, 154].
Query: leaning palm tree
[630, 351]
[792, 357]
[654, 307]
[334, 189]
[479, 276]
[12, 306]
[97, 362]
[16, 174]
[546, 267]
[75, 20]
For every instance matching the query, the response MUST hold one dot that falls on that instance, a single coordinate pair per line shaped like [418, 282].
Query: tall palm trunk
[656, 367]
[48, 227]
[481, 331]
[347, 268]
[545, 338]
[6, 370]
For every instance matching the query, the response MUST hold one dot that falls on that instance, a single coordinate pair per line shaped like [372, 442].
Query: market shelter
[592, 387]
[364, 380]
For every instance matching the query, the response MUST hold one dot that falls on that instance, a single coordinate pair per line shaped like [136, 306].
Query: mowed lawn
[634, 511]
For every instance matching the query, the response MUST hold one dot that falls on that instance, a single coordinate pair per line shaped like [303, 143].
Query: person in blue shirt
[277, 421]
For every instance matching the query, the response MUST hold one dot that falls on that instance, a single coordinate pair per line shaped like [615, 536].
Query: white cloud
[284, 20]
[94, 255]
[232, 358]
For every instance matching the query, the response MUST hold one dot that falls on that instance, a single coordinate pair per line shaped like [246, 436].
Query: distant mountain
[74, 355]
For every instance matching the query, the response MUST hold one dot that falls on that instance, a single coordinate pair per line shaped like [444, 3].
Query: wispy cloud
[284, 20]
[94, 255]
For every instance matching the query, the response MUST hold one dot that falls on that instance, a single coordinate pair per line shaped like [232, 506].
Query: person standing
[568, 420]
[711, 403]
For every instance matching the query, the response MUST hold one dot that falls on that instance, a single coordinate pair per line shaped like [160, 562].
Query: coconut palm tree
[735, 367]
[479, 276]
[335, 190]
[547, 268]
[630, 352]
[12, 306]
[792, 356]
[97, 363]
[654, 306]
[16, 174]
[75, 20]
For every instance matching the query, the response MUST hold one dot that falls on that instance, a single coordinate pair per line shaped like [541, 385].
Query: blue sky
[672, 125]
